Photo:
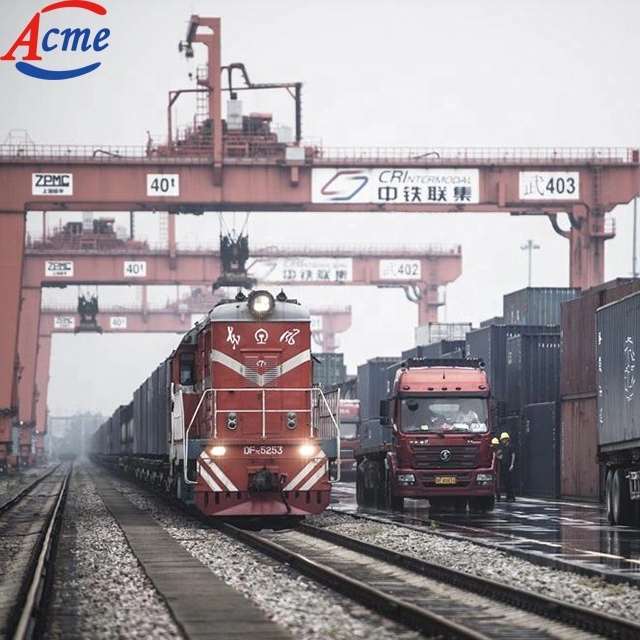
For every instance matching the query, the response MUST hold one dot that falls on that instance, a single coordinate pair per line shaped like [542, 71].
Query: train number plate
[264, 450]
[445, 479]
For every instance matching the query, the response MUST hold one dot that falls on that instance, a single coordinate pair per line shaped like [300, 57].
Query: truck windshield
[443, 414]
[348, 430]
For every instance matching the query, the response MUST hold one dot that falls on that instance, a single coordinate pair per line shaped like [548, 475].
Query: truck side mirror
[384, 413]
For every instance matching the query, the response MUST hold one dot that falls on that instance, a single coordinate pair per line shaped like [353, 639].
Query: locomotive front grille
[461, 457]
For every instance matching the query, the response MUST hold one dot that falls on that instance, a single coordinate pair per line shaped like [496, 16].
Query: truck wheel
[621, 499]
[608, 497]
[482, 504]
[359, 489]
[394, 503]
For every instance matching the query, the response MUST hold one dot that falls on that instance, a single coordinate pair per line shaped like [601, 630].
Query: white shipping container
[436, 331]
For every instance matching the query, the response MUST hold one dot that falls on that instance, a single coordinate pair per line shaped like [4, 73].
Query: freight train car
[231, 422]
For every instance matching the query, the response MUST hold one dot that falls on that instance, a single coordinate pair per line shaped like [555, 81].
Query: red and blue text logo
[56, 40]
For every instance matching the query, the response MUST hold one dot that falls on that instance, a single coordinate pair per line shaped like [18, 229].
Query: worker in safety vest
[508, 465]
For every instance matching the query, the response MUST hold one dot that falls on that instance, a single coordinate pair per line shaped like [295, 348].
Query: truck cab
[438, 443]
[349, 437]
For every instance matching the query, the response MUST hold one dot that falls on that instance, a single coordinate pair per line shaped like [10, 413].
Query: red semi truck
[349, 438]
[436, 439]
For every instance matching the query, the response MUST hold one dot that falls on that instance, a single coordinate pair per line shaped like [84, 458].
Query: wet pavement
[569, 535]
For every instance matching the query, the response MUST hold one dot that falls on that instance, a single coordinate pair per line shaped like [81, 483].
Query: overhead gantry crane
[238, 163]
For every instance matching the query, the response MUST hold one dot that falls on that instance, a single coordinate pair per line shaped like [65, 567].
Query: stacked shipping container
[580, 474]
[373, 384]
[536, 305]
[329, 369]
[522, 358]
[441, 349]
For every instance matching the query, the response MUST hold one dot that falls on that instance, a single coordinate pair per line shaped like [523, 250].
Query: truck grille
[462, 457]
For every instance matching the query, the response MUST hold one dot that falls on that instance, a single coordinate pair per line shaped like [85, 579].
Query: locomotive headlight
[307, 450]
[218, 450]
[261, 304]
[232, 421]
[292, 420]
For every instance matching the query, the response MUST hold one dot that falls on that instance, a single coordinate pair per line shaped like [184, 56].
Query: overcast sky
[476, 73]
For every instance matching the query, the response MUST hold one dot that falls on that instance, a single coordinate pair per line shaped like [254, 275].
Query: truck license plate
[445, 479]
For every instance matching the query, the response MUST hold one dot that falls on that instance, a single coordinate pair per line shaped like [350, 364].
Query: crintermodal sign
[395, 186]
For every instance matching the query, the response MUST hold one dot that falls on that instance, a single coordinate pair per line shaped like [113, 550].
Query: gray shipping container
[329, 369]
[374, 384]
[490, 321]
[536, 305]
[618, 338]
[539, 458]
[435, 350]
[533, 370]
[151, 406]
[578, 359]
[490, 344]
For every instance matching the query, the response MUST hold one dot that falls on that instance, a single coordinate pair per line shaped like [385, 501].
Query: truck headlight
[484, 478]
[406, 478]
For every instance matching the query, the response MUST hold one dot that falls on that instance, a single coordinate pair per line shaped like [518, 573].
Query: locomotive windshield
[443, 414]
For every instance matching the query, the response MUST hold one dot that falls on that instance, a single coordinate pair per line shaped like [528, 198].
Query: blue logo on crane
[61, 39]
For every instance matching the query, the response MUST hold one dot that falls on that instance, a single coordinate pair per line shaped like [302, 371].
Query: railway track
[433, 599]
[571, 559]
[29, 526]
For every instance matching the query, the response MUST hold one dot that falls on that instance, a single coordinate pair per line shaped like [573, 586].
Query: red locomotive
[230, 422]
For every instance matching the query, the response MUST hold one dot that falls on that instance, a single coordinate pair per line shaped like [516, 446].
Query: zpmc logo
[76, 40]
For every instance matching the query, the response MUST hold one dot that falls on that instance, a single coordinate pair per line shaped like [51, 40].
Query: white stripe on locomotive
[260, 379]
[320, 459]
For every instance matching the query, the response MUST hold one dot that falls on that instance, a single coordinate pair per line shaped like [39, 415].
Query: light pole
[635, 235]
[530, 246]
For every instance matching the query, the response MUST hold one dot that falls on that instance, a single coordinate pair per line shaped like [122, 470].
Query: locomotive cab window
[188, 368]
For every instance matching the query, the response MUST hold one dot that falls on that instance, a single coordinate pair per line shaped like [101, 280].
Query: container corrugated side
[533, 370]
[328, 369]
[536, 305]
[435, 350]
[617, 374]
[431, 332]
[579, 469]
[490, 344]
[489, 321]
[373, 385]
[578, 328]
[540, 450]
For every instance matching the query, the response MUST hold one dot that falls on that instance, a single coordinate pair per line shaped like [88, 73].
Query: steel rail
[30, 604]
[557, 610]
[11, 502]
[394, 608]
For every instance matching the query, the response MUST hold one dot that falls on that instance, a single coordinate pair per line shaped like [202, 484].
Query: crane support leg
[42, 385]
[586, 250]
[28, 356]
[11, 258]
